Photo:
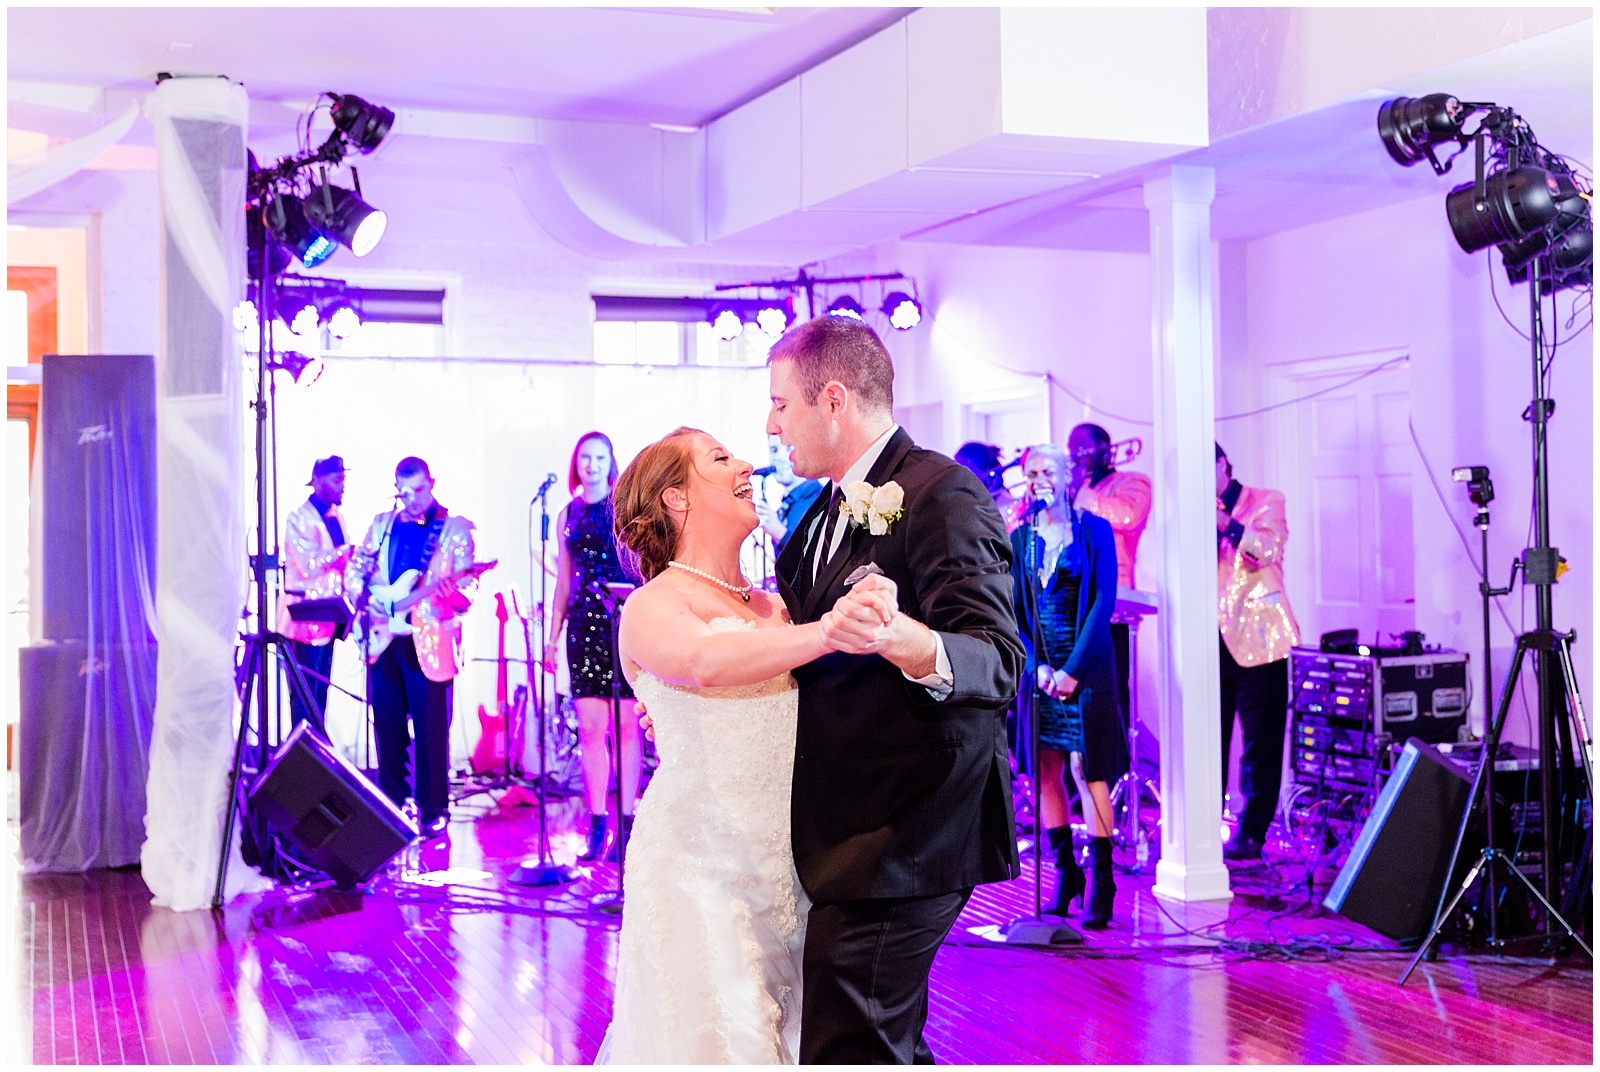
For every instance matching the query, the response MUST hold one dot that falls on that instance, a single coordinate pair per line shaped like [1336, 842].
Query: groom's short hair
[829, 348]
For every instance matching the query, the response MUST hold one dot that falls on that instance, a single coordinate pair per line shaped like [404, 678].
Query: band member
[1122, 499]
[588, 562]
[1063, 606]
[411, 673]
[983, 459]
[798, 495]
[314, 557]
[1257, 630]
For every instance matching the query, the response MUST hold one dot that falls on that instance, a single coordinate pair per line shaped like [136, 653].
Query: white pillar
[1191, 867]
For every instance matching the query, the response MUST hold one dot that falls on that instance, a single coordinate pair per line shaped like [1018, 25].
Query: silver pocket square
[861, 573]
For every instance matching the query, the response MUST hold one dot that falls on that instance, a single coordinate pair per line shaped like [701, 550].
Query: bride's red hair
[645, 530]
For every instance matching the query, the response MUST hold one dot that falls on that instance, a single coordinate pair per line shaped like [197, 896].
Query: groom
[902, 793]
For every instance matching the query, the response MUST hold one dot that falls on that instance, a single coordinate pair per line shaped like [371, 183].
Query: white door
[1347, 463]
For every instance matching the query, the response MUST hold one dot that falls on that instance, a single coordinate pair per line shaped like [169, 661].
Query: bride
[713, 926]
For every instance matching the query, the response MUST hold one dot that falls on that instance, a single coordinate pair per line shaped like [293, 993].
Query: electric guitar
[494, 743]
[387, 613]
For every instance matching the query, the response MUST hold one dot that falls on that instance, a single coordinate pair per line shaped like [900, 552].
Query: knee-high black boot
[597, 839]
[1102, 885]
[1069, 876]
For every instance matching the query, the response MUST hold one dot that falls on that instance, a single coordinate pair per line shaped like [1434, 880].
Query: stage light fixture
[904, 311]
[726, 322]
[302, 369]
[307, 322]
[774, 319]
[344, 322]
[844, 305]
[1516, 204]
[342, 215]
[287, 222]
[1411, 126]
[363, 123]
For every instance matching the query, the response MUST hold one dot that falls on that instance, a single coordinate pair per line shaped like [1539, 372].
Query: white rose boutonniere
[873, 508]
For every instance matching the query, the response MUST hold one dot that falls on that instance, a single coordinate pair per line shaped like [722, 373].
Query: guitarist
[409, 678]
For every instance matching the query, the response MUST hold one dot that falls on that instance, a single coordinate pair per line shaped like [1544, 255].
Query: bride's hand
[646, 723]
[878, 592]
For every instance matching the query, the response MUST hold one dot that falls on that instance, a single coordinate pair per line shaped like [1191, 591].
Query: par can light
[1517, 203]
[904, 311]
[340, 214]
[846, 306]
[364, 124]
[1411, 126]
[726, 322]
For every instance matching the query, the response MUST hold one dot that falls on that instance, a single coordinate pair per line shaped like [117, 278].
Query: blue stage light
[844, 305]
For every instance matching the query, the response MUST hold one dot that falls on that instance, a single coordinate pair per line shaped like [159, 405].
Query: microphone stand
[613, 595]
[544, 871]
[1034, 930]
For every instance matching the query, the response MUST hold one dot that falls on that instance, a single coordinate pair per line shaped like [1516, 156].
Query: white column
[1191, 867]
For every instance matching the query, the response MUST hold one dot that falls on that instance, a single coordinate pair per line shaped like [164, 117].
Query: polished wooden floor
[453, 965]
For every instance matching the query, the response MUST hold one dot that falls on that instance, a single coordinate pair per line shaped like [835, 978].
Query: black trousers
[866, 978]
[403, 700]
[1260, 694]
[317, 664]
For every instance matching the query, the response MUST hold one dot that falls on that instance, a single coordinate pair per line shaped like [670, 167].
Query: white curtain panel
[203, 487]
[31, 174]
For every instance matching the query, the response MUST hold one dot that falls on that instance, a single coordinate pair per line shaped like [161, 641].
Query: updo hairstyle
[646, 532]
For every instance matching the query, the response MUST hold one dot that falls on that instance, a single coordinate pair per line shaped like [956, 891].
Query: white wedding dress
[713, 923]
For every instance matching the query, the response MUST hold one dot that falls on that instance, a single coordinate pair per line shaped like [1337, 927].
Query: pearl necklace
[742, 591]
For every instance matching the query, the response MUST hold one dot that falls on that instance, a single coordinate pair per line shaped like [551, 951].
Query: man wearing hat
[314, 557]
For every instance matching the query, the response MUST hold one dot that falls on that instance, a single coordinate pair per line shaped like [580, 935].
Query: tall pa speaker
[337, 820]
[1397, 869]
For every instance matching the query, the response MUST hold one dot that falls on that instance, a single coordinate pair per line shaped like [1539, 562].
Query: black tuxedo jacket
[897, 794]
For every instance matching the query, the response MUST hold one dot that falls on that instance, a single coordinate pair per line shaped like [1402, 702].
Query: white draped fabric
[32, 174]
[203, 487]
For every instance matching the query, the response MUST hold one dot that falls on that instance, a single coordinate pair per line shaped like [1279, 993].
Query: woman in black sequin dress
[1065, 589]
[588, 561]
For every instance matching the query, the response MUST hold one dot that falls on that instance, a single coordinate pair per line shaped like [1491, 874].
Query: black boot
[627, 832]
[1069, 876]
[1102, 885]
[597, 839]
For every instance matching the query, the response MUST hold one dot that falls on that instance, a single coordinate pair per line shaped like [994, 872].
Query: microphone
[549, 482]
[1039, 505]
[765, 470]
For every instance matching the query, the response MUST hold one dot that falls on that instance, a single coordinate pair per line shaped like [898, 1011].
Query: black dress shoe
[1242, 848]
[435, 827]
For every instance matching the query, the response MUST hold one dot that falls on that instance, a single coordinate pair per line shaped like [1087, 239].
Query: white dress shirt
[941, 682]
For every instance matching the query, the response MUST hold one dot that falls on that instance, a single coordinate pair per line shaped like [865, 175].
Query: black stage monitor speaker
[335, 818]
[1395, 872]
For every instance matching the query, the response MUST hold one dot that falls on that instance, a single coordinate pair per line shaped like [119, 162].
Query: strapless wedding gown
[713, 923]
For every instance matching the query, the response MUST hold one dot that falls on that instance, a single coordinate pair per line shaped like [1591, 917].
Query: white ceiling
[1315, 166]
[682, 66]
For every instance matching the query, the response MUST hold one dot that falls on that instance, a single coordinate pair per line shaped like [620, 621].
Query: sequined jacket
[1124, 500]
[436, 621]
[308, 571]
[1252, 607]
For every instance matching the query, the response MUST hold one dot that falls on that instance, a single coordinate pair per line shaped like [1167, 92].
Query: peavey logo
[94, 433]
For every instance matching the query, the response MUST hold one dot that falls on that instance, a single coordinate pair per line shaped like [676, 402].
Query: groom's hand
[867, 622]
[645, 722]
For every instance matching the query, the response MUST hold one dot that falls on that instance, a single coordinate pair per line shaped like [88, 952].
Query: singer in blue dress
[1065, 586]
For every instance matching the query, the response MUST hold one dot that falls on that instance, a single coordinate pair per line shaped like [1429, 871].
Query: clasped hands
[1056, 684]
[866, 620]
